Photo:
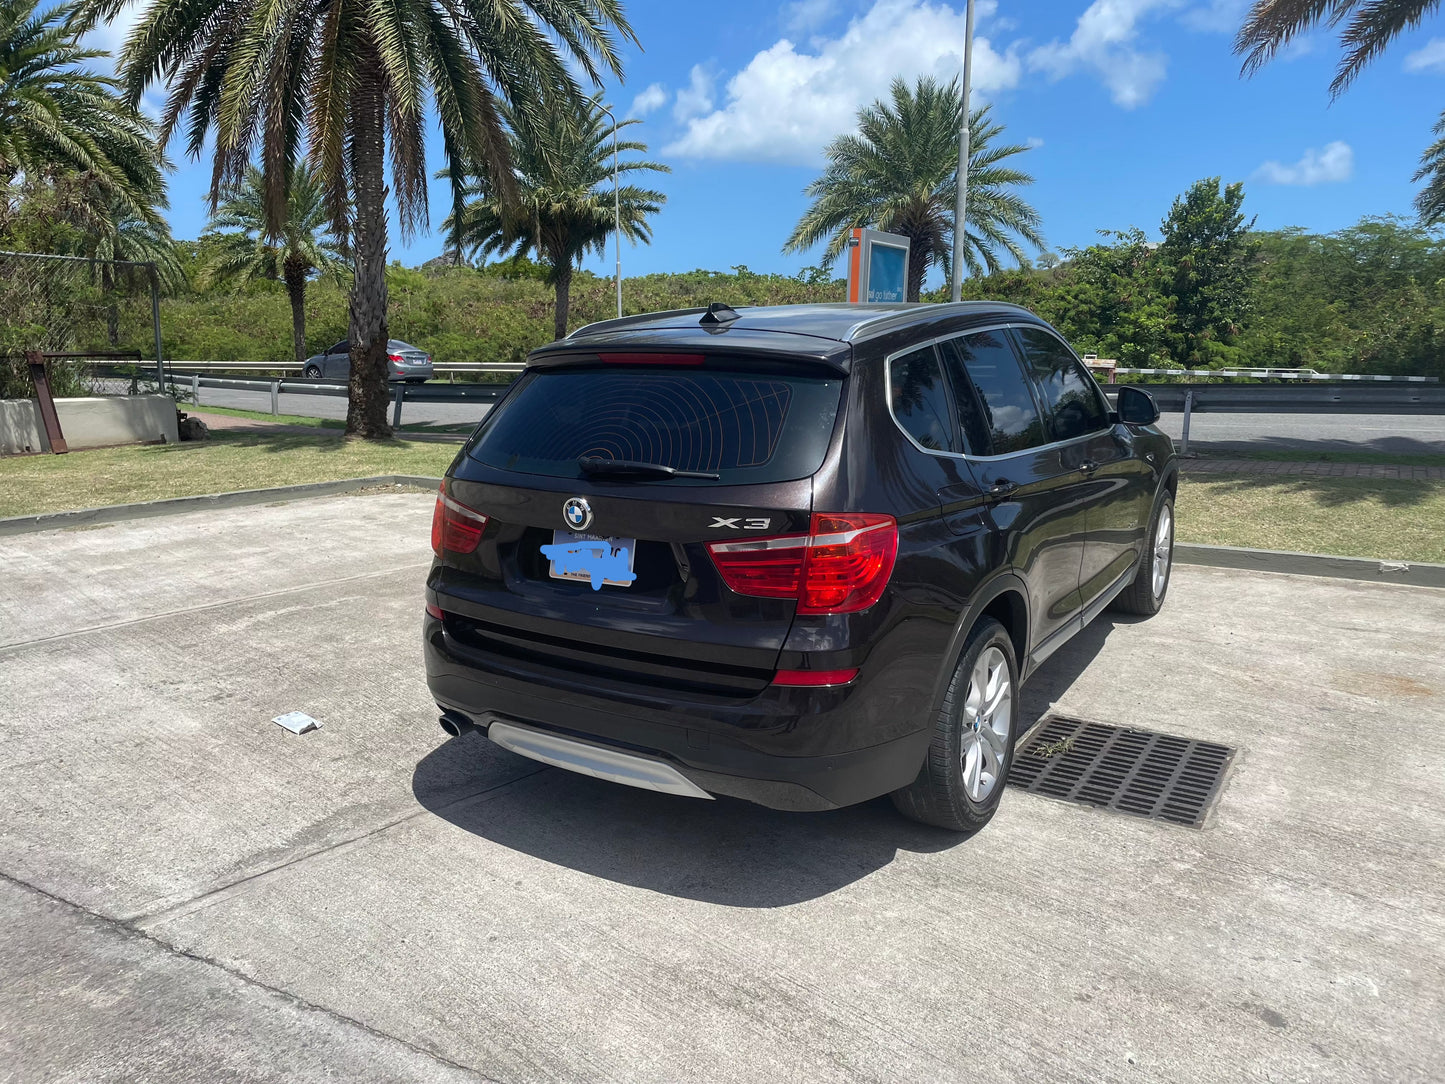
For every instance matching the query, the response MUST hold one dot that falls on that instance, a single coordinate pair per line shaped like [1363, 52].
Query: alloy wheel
[987, 718]
[1163, 549]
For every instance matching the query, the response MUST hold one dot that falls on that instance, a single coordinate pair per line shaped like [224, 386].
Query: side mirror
[1136, 407]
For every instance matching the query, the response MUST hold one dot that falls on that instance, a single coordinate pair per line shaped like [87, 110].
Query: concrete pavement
[192, 893]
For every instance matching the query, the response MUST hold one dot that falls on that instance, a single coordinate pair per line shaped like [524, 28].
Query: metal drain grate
[1138, 772]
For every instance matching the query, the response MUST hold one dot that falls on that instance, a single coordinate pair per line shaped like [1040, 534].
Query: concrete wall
[93, 422]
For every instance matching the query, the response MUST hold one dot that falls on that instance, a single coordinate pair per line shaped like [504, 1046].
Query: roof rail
[627, 321]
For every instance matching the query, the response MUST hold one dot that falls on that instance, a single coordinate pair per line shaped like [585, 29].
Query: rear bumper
[787, 748]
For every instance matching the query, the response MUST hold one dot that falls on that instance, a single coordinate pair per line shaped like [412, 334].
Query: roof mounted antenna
[718, 313]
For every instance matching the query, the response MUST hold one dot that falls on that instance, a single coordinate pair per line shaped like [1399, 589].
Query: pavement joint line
[125, 929]
[205, 606]
[143, 920]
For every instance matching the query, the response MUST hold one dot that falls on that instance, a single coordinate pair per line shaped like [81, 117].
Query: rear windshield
[747, 427]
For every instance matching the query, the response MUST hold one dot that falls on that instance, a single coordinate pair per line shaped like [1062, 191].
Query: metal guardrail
[1280, 374]
[1189, 399]
[401, 393]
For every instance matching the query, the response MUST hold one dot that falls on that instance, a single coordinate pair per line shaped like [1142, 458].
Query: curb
[112, 513]
[1408, 573]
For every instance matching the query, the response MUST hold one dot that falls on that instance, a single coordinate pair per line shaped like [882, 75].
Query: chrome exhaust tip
[456, 724]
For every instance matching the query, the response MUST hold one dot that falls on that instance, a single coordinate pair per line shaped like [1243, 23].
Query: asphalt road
[192, 894]
[1404, 434]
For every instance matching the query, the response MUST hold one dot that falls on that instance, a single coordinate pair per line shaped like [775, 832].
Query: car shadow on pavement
[726, 851]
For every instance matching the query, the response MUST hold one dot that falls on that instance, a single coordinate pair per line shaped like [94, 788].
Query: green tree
[1369, 26]
[1208, 262]
[57, 116]
[353, 82]
[563, 204]
[243, 250]
[900, 174]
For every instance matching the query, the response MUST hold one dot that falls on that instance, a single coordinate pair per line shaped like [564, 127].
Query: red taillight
[814, 678]
[651, 359]
[840, 567]
[455, 528]
[433, 610]
[393, 357]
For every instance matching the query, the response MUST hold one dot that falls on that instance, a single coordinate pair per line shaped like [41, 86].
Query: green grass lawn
[55, 483]
[1349, 517]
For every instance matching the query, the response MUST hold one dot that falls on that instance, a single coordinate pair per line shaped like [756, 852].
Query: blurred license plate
[592, 558]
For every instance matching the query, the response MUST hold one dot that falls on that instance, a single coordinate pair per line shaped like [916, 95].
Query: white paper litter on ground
[298, 722]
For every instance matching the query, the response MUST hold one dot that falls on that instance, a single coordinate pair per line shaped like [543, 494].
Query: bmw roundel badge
[578, 513]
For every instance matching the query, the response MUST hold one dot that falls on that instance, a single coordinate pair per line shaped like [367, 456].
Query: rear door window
[1072, 398]
[919, 397]
[996, 405]
[745, 426]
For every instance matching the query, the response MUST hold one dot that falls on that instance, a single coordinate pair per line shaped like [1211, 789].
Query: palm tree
[563, 205]
[1369, 26]
[351, 84]
[900, 174]
[57, 116]
[241, 252]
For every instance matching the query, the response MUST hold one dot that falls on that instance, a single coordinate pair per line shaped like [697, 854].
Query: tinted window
[745, 426]
[920, 399]
[1070, 395]
[343, 347]
[1009, 418]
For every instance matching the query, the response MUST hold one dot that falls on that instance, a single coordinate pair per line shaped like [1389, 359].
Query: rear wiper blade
[631, 468]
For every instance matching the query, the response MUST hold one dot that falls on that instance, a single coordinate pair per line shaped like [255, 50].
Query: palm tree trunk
[295, 275]
[917, 268]
[367, 392]
[564, 298]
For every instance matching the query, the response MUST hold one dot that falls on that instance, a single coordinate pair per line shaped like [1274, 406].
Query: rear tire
[1145, 596]
[962, 779]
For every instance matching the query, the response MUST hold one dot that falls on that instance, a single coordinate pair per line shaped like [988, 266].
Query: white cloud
[653, 98]
[1333, 164]
[1034, 142]
[111, 34]
[805, 16]
[786, 104]
[696, 97]
[1103, 42]
[1429, 57]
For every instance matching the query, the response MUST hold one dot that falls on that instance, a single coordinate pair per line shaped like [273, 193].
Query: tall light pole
[960, 234]
[617, 207]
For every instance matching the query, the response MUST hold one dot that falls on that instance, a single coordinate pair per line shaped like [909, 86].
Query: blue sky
[1126, 101]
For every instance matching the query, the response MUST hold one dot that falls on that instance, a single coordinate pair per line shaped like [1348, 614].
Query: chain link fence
[102, 317]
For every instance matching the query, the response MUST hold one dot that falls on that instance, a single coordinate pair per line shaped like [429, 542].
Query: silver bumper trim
[633, 769]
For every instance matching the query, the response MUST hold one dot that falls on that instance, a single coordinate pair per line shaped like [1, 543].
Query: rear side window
[919, 397]
[1004, 413]
[747, 427]
[1071, 397]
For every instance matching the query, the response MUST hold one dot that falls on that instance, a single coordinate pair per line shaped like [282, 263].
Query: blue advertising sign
[887, 272]
[877, 266]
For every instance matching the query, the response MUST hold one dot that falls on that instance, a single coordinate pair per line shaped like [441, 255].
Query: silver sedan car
[403, 362]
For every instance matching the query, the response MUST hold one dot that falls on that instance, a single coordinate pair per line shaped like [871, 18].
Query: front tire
[312, 372]
[1145, 596]
[962, 779]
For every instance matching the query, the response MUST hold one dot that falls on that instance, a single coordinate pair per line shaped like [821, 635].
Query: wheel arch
[1004, 598]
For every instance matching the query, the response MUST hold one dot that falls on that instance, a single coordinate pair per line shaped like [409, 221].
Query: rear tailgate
[763, 430]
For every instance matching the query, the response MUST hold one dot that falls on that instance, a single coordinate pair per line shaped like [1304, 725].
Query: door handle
[1088, 466]
[1000, 489]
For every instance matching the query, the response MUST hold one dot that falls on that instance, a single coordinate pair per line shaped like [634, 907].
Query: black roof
[840, 321]
[825, 334]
